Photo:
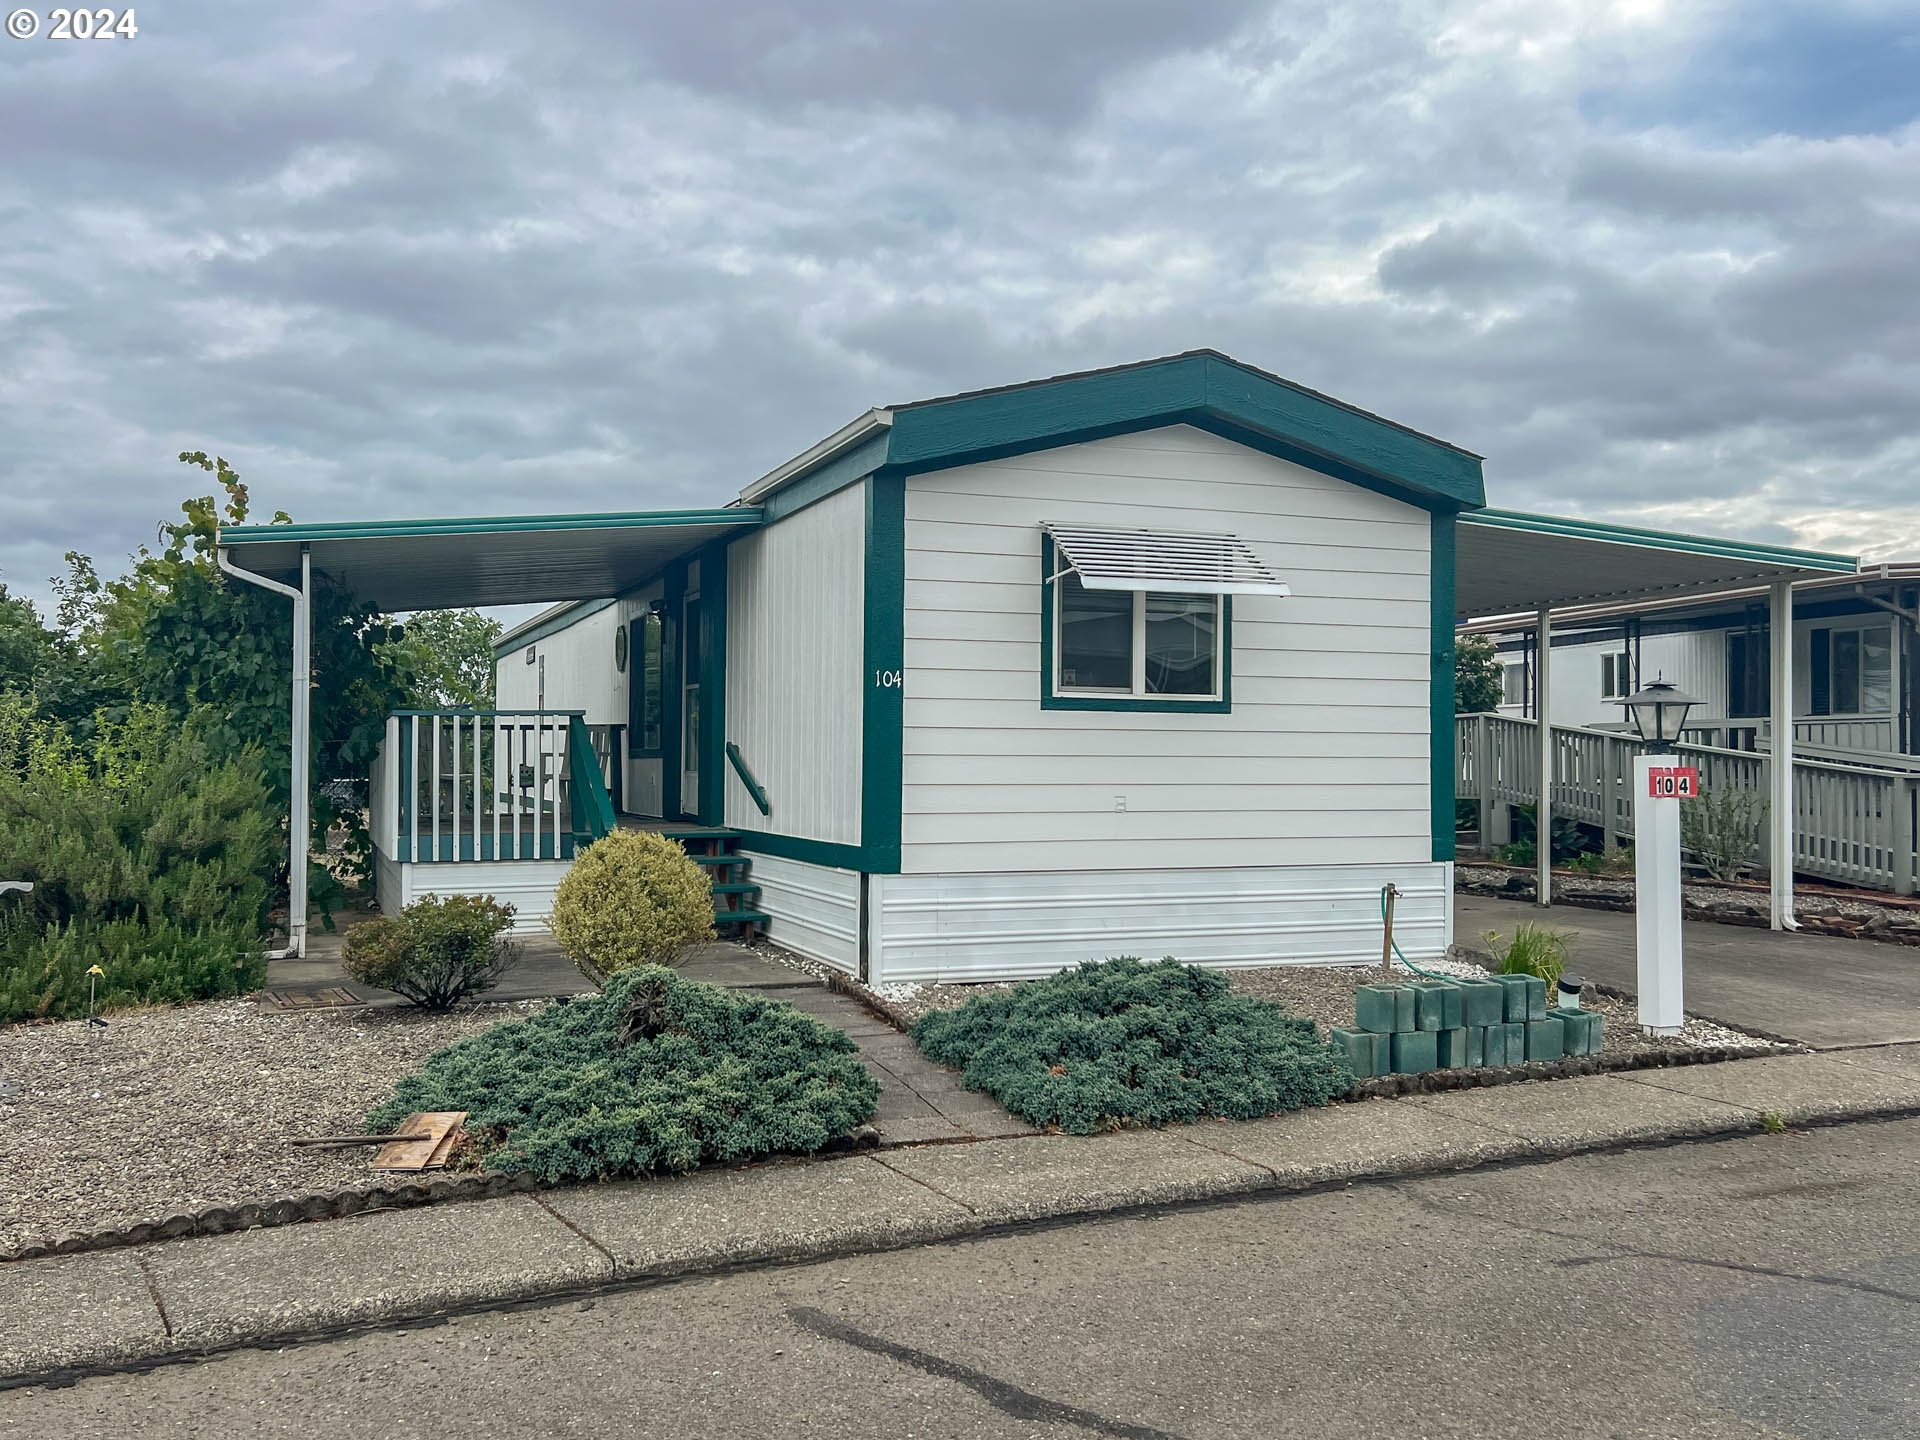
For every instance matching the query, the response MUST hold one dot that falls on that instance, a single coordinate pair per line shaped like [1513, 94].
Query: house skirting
[1018, 925]
[527, 885]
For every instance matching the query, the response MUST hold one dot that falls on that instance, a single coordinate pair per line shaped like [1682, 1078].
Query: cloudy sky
[1655, 259]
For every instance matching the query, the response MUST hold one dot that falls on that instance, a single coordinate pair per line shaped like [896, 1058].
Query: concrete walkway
[184, 1298]
[1822, 990]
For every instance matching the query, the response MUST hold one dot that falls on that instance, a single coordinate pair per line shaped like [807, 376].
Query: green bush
[1721, 829]
[656, 1073]
[1535, 950]
[633, 898]
[1119, 1042]
[441, 950]
[149, 858]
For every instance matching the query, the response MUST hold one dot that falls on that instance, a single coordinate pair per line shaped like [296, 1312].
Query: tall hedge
[149, 857]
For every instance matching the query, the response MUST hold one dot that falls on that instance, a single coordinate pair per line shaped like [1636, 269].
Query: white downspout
[299, 820]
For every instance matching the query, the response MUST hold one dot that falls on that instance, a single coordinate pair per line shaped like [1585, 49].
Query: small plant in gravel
[1773, 1123]
[656, 1073]
[1721, 828]
[1534, 950]
[633, 898]
[1131, 1042]
[439, 951]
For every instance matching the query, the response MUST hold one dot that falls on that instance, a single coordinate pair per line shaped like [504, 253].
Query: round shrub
[655, 1073]
[633, 898]
[1125, 1042]
[442, 949]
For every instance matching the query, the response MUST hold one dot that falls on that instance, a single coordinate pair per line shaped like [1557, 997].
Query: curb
[879, 1239]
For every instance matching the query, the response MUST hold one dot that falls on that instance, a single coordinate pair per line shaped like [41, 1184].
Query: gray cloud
[458, 258]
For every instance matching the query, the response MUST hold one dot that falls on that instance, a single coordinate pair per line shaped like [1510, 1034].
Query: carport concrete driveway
[1828, 992]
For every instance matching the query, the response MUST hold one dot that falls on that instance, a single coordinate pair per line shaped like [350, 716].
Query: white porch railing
[1852, 822]
[463, 785]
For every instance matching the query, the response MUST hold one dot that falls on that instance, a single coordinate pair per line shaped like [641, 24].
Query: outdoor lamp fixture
[1659, 711]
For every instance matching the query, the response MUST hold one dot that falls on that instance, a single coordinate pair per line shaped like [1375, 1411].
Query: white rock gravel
[179, 1109]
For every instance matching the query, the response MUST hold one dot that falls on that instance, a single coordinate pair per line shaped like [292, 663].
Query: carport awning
[1509, 563]
[398, 565]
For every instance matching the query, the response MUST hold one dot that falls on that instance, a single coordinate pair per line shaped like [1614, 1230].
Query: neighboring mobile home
[1854, 663]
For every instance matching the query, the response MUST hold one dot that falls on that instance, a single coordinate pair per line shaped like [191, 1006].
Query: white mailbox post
[1659, 785]
[1658, 788]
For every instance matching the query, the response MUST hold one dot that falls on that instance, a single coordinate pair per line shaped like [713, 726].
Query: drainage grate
[311, 997]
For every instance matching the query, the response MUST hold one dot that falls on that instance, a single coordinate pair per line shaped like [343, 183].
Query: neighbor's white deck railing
[1853, 822]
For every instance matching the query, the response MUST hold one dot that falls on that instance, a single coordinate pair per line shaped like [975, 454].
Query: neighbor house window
[1616, 676]
[1136, 644]
[1852, 670]
[1513, 684]
[646, 681]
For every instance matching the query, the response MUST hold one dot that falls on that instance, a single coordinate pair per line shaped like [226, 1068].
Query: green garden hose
[1399, 954]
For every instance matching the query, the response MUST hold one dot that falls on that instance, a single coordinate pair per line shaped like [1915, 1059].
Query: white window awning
[1169, 560]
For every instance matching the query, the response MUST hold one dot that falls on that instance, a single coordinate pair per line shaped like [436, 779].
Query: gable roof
[1203, 388]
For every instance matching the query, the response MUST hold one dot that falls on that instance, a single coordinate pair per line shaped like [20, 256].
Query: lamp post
[1659, 711]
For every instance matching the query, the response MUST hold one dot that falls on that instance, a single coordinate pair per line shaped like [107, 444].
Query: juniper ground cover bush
[1131, 1042]
[654, 1074]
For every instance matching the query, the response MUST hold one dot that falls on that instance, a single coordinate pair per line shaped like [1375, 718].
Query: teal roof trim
[743, 515]
[1663, 540]
[1202, 388]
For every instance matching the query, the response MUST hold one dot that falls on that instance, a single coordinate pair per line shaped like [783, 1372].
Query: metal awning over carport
[1523, 567]
[401, 565]
[397, 565]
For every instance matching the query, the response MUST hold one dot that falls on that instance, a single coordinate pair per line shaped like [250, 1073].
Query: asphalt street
[1765, 1286]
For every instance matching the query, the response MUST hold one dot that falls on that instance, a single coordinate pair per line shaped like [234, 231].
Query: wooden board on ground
[440, 1129]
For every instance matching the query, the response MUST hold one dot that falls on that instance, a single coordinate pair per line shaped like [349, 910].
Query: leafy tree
[178, 633]
[449, 654]
[26, 646]
[1476, 676]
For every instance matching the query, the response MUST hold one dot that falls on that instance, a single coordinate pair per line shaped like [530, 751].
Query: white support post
[1656, 900]
[300, 818]
[1543, 713]
[1780, 824]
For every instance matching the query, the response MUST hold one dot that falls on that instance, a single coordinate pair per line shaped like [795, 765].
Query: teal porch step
[736, 887]
[743, 860]
[740, 917]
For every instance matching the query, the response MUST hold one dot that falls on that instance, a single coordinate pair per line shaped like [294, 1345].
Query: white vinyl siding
[1323, 757]
[527, 885]
[795, 593]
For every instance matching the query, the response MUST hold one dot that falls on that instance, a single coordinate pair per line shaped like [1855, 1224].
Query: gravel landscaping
[178, 1109]
[1324, 994]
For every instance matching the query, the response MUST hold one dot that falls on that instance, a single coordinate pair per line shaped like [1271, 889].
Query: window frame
[1052, 697]
[1833, 634]
[1622, 685]
[637, 748]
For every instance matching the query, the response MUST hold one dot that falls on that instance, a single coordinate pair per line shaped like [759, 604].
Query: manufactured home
[1150, 660]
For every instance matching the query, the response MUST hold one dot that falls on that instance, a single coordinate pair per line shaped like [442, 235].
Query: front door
[690, 706]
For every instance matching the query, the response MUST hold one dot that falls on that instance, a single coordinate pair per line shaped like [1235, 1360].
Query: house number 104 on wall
[886, 679]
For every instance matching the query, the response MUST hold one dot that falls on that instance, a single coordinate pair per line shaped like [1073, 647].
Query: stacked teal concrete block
[1384, 1009]
[1482, 1003]
[1458, 1024]
[1415, 1051]
[1584, 1030]
[1546, 1039]
[1526, 997]
[1368, 1053]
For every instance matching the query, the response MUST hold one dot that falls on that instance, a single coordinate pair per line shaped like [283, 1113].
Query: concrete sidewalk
[179, 1299]
[1821, 990]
